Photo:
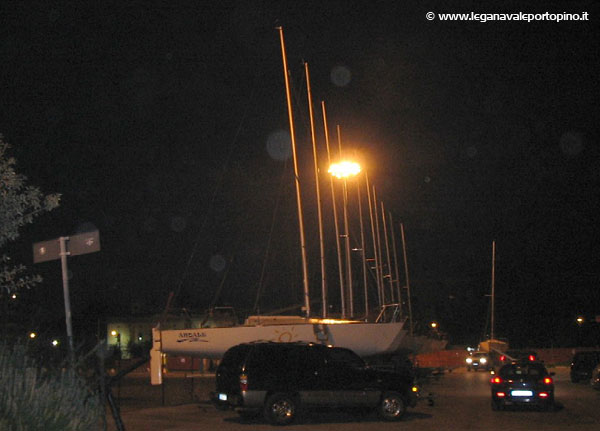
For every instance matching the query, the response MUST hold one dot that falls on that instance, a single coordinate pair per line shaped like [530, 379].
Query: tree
[20, 204]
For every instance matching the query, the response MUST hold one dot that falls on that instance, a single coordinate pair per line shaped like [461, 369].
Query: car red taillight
[548, 380]
[500, 394]
[243, 382]
[496, 380]
[531, 358]
[503, 358]
[543, 394]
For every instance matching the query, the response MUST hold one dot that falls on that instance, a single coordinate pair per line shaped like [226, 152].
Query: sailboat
[384, 335]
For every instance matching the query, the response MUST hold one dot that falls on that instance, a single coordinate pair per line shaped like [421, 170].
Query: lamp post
[343, 170]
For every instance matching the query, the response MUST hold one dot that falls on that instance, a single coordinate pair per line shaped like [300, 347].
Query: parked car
[280, 379]
[479, 360]
[523, 383]
[582, 365]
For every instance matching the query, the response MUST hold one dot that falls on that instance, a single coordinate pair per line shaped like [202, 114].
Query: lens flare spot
[340, 76]
[217, 263]
[279, 145]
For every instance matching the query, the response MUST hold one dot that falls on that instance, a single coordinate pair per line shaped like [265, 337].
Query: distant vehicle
[596, 378]
[518, 355]
[523, 383]
[280, 379]
[478, 360]
[582, 365]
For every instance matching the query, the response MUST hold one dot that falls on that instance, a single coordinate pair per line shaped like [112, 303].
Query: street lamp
[344, 169]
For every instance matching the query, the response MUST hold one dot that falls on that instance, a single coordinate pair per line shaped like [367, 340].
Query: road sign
[46, 250]
[60, 248]
[83, 243]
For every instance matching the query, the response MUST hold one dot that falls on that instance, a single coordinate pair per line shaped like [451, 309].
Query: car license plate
[223, 397]
[521, 393]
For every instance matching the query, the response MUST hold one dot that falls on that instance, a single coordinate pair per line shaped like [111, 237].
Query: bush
[35, 398]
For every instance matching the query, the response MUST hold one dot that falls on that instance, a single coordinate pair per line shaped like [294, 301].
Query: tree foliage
[19, 205]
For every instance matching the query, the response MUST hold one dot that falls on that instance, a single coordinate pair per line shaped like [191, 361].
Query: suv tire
[280, 409]
[392, 406]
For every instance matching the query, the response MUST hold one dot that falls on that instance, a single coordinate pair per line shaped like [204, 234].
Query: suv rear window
[234, 357]
[345, 358]
[515, 371]
[275, 358]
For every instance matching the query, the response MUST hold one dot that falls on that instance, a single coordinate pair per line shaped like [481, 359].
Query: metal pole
[335, 217]
[378, 251]
[65, 278]
[387, 252]
[410, 320]
[362, 247]
[346, 234]
[395, 254]
[296, 176]
[493, 289]
[319, 211]
[374, 237]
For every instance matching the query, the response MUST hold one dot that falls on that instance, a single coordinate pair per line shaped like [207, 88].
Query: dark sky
[155, 120]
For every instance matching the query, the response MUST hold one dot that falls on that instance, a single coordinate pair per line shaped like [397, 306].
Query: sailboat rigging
[386, 334]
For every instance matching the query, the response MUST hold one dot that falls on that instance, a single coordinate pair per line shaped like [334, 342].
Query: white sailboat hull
[363, 338]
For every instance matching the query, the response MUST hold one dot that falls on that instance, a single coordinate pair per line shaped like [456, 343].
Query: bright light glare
[113, 333]
[32, 335]
[55, 343]
[344, 169]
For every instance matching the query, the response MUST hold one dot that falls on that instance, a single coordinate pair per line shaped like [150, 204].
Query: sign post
[60, 248]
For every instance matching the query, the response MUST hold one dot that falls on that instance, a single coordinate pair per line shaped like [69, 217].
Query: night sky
[160, 124]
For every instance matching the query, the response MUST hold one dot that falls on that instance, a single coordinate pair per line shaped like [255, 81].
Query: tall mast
[410, 320]
[395, 254]
[346, 233]
[362, 248]
[387, 252]
[297, 178]
[374, 237]
[319, 212]
[335, 216]
[378, 250]
[493, 288]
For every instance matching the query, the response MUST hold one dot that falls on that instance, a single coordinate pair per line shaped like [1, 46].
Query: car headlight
[483, 360]
[469, 360]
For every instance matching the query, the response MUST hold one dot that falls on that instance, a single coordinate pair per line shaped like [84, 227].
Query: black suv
[582, 365]
[281, 378]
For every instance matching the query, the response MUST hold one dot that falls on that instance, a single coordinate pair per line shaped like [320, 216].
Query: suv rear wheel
[392, 406]
[280, 409]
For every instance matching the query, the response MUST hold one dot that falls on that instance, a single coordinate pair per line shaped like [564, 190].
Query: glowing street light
[344, 169]
[434, 325]
[579, 320]
[32, 335]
